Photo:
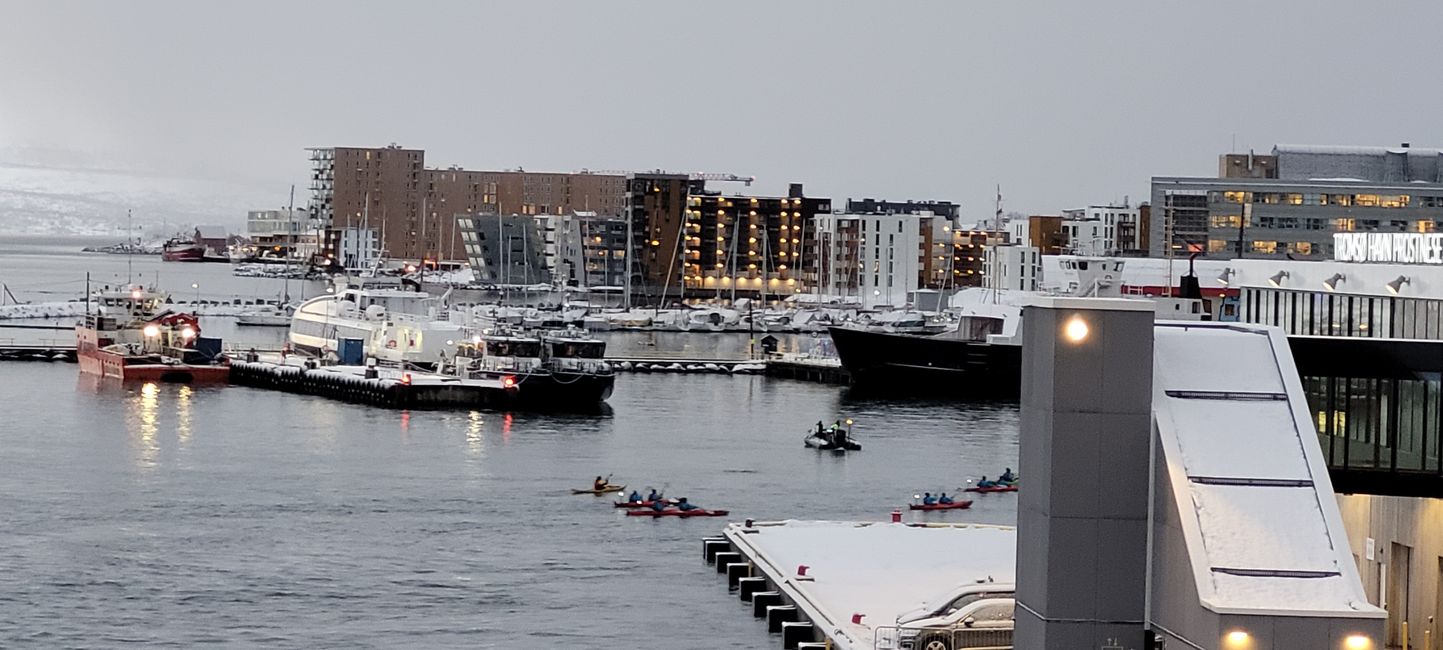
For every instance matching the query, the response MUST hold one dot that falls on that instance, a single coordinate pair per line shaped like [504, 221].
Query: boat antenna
[290, 218]
[129, 230]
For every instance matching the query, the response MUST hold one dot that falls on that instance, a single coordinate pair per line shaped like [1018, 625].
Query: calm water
[173, 516]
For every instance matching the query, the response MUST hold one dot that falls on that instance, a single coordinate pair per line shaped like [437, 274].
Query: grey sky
[1062, 103]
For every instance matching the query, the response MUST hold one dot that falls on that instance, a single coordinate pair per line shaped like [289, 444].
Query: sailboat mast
[290, 219]
[129, 230]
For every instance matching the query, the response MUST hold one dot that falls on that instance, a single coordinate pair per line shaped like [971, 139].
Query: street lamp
[196, 286]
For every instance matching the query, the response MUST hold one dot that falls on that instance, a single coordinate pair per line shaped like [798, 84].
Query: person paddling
[635, 497]
[654, 496]
[1007, 477]
[984, 483]
[682, 505]
[600, 483]
[944, 499]
[928, 499]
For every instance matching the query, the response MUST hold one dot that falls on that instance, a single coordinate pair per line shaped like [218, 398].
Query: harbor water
[171, 515]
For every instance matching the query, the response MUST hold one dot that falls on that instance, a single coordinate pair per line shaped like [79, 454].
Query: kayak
[955, 505]
[677, 512]
[818, 442]
[606, 490]
[642, 504]
[995, 488]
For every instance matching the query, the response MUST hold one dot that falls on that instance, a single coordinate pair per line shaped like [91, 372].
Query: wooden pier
[819, 370]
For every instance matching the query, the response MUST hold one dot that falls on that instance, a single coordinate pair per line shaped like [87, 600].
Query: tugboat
[130, 336]
[550, 370]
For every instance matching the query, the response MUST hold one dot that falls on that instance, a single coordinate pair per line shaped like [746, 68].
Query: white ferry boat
[390, 325]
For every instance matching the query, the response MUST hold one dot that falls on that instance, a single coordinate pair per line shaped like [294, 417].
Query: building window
[1235, 197]
[1394, 200]
[1268, 247]
[1293, 199]
[1303, 247]
[1366, 200]
[1344, 224]
[1217, 245]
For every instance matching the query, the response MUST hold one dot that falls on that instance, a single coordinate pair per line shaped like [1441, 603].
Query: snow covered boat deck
[845, 583]
[389, 387]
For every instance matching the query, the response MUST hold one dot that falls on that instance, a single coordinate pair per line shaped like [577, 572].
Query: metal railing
[892, 637]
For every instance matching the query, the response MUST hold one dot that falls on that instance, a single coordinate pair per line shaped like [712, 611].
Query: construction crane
[696, 176]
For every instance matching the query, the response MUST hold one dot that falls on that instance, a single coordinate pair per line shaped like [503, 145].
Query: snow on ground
[53, 310]
[880, 570]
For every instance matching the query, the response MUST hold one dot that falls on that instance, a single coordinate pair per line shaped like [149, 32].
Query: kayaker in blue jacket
[635, 497]
[984, 483]
[1007, 476]
[944, 498]
[682, 505]
[928, 499]
[653, 496]
[658, 505]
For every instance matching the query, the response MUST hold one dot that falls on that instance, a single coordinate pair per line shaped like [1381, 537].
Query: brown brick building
[413, 210]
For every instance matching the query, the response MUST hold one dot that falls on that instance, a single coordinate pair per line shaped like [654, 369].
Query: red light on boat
[406, 379]
[508, 382]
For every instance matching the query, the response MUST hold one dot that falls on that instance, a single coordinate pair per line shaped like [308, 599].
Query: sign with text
[1393, 247]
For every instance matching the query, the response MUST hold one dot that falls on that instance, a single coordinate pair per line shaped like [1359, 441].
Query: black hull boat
[938, 365]
[563, 390]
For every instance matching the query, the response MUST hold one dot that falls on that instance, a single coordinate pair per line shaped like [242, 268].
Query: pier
[37, 350]
[822, 370]
[383, 387]
[842, 585]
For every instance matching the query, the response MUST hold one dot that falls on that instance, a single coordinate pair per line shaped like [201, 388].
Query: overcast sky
[1062, 103]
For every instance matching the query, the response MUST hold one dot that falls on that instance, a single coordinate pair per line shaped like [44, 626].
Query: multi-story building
[656, 212]
[281, 233]
[874, 257]
[1094, 230]
[603, 252]
[505, 249]
[945, 209]
[1290, 205]
[752, 244]
[1013, 267]
[414, 209]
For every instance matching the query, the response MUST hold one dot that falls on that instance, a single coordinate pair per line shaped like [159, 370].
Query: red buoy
[897, 516]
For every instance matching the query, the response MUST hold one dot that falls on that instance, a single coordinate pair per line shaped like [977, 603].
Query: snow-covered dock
[843, 584]
[386, 387]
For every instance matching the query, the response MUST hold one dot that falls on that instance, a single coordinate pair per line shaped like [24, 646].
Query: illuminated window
[1217, 245]
[1293, 199]
[1268, 247]
[1345, 224]
[1303, 247]
[1235, 197]
[1366, 200]
[1424, 226]
[1227, 221]
[1394, 200]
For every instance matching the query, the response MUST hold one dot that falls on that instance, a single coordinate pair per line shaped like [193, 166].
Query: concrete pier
[389, 388]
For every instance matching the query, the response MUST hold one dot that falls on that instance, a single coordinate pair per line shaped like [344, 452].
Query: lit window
[1366, 200]
[1267, 247]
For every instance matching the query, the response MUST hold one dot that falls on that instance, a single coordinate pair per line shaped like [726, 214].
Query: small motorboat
[606, 490]
[834, 438]
[677, 512]
[955, 505]
[643, 504]
[994, 488]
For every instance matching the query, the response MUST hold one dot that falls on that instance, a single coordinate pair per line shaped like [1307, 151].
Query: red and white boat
[182, 250]
[131, 336]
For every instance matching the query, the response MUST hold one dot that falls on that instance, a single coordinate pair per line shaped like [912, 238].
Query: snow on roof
[1252, 492]
[1339, 150]
[878, 570]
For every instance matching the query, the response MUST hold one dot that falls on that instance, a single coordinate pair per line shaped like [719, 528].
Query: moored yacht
[390, 325]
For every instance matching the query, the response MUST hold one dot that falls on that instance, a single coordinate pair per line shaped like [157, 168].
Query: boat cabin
[499, 353]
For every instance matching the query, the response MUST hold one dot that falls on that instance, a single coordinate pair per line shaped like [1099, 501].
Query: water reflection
[182, 414]
[145, 410]
[506, 428]
[473, 434]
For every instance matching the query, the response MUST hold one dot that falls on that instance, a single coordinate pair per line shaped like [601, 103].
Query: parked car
[972, 616]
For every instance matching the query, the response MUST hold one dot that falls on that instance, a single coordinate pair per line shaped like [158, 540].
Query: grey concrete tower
[1085, 452]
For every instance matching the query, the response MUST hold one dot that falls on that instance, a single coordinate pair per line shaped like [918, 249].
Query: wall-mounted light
[1331, 284]
[1357, 642]
[1223, 277]
[1397, 284]
[1277, 278]
[1075, 330]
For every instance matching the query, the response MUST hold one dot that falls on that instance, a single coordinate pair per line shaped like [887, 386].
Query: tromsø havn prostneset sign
[1391, 247]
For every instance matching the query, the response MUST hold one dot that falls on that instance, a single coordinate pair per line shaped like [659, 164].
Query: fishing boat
[182, 250]
[130, 335]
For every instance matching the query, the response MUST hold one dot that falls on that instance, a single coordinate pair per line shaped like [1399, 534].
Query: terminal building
[1290, 203]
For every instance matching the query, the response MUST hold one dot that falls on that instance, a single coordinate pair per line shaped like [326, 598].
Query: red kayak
[677, 512]
[995, 488]
[955, 505]
[642, 504]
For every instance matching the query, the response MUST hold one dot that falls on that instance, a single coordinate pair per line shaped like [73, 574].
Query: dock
[822, 370]
[842, 585]
[37, 350]
[390, 388]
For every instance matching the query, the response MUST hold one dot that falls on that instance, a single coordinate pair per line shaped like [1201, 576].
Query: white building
[1013, 267]
[282, 232]
[360, 248]
[564, 243]
[876, 257]
[1093, 230]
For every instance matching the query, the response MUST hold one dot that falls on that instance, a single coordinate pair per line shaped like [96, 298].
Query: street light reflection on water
[473, 434]
[146, 407]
